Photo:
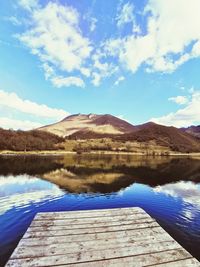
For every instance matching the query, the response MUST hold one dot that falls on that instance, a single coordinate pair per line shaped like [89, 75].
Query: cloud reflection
[188, 191]
[22, 190]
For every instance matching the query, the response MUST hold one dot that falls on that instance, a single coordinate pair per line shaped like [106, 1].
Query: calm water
[168, 189]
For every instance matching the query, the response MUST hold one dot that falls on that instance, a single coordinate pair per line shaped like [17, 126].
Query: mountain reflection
[166, 188]
[98, 182]
[103, 173]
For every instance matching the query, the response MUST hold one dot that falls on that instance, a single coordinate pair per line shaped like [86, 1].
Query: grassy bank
[64, 152]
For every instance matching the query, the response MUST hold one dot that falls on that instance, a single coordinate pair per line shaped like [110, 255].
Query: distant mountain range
[193, 130]
[91, 126]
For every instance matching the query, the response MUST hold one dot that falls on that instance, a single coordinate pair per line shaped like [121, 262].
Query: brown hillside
[193, 130]
[115, 122]
[171, 137]
[93, 126]
[98, 124]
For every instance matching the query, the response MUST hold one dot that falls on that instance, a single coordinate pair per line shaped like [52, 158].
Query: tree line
[29, 140]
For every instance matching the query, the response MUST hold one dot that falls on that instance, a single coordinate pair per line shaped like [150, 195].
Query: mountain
[172, 137]
[93, 126]
[83, 123]
[193, 130]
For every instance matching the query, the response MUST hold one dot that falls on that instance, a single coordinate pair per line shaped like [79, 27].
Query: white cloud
[126, 14]
[96, 79]
[93, 22]
[28, 4]
[60, 81]
[85, 71]
[14, 20]
[136, 29]
[172, 37]
[13, 101]
[189, 115]
[15, 124]
[191, 90]
[181, 100]
[48, 71]
[120, 79]
[55, 37]
[101, 69]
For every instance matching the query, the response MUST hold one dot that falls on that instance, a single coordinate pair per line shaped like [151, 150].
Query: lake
[166, 188]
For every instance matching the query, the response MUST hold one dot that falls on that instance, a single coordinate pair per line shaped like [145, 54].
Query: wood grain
[113, 237]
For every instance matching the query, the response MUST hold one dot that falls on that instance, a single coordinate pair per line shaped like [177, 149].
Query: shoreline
[63, 153]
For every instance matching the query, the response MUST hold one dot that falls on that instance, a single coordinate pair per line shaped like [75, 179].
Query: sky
[138, 60]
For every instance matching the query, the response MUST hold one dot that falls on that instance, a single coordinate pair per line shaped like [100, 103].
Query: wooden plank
[124, 209]
[87, 213]
[53, 260]
[94, 220]
[179, 263]
[139, 260]
[33, 241]
[46, 227]
[79, 212]
[63, 232]
[34, 251]
[89, 217]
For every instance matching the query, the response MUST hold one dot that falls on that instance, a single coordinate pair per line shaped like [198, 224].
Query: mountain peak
[101, 124]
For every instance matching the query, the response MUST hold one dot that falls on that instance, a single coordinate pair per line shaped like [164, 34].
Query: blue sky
[138, 60]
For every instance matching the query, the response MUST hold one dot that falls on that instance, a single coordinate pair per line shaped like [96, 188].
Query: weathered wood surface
[113, 237]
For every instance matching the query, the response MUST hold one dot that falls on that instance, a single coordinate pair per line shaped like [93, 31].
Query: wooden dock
[112, 237]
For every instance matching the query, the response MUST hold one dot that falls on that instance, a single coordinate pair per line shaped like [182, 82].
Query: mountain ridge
[94, 126]
[193, 130]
